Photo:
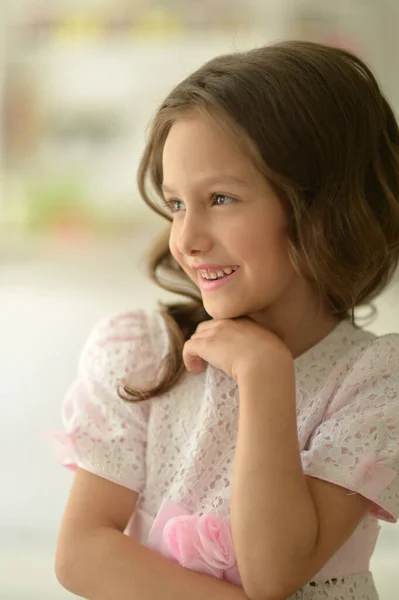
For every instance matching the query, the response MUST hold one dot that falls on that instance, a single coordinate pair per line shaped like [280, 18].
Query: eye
[218, 200]
[171, 205]
[218, 197]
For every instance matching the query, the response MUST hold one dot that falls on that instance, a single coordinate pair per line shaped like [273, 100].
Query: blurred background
[79, 82]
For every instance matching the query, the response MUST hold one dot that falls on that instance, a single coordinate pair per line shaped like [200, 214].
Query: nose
[193, 236]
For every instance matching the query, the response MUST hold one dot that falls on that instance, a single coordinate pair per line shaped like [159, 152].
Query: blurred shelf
[22, 246]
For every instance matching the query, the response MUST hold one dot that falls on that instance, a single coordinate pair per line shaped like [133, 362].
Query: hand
[235, 346]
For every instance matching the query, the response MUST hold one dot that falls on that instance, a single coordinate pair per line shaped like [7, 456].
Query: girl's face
[224, 214]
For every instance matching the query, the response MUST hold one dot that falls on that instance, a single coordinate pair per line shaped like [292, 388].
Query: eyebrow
[212, 180]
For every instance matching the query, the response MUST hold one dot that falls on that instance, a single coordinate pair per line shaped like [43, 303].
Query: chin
[228, 312]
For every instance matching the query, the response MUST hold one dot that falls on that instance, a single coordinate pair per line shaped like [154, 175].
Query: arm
[95, 560]
[285, 525]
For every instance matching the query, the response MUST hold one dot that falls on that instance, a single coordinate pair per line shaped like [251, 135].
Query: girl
[247, 442]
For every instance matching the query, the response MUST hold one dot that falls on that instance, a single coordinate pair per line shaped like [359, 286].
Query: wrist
[270, 366]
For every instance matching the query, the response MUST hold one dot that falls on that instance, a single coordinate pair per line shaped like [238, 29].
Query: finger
[193, 361]
[211, 324]
[204, 325]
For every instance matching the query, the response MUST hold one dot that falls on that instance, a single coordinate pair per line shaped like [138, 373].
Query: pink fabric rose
[182, 541]
[203, 544]
[214, 542]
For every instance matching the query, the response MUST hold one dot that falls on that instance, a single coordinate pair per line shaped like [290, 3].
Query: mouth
[214, 284]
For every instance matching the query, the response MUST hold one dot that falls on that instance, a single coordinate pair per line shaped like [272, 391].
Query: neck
[299, 322]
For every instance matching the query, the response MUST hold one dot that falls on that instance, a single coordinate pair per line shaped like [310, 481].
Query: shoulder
[324, 365]
[383, 346]
[345, 365]
[377, 356]
[120, 343]
[368, 376]
[104, 434]
[351, 350]
[356, 442]
[126, 327]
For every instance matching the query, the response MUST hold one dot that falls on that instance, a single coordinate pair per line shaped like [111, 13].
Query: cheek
[178, 256]
[173, 248]
[175, 252]
[261, 236]
[268, 245]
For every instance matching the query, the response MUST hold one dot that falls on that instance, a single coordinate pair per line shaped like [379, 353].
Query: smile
[208, 274]
[216, 282]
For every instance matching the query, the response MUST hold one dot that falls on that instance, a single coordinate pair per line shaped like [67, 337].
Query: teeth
[212, 275]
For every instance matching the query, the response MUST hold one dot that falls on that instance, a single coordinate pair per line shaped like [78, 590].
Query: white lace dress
[180, 445]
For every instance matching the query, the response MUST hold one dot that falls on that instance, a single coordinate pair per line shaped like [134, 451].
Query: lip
[214, 284]
[209, 266]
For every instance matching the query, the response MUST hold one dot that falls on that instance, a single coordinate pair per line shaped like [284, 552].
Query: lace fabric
[351, 587]
[180, 446]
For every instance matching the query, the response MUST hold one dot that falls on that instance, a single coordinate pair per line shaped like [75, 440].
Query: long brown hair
[316, 124]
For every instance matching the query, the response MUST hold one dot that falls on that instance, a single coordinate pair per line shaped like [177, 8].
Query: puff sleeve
[102, 433]
[356, 446]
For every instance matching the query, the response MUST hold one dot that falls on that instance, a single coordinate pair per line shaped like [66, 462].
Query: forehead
[198, 143]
